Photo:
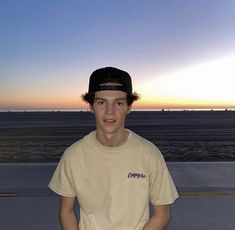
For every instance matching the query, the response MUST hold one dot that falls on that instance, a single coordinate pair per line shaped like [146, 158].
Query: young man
[113, 172]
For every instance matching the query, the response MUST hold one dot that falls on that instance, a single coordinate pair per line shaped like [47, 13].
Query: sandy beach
[181, 136]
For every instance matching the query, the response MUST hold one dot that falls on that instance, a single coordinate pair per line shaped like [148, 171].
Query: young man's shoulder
[77, 147]
[147, 146]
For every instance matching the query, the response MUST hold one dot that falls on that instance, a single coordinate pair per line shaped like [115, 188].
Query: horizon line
[133, 110]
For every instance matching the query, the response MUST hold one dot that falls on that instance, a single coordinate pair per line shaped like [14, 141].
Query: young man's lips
[109, 120]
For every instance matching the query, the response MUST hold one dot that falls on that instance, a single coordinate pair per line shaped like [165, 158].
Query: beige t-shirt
[114, 185]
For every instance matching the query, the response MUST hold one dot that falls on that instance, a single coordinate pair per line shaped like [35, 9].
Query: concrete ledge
[28, 204]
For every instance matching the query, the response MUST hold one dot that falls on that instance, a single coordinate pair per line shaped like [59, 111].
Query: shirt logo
[136, 175]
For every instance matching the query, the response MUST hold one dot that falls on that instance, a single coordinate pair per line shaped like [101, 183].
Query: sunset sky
[180, 53]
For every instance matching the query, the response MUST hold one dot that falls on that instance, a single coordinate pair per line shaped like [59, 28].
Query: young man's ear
[91, 108]
[129, 109]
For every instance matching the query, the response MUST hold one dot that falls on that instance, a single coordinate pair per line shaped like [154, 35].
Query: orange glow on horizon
[79, 105]
[207, 85]
[182, 105]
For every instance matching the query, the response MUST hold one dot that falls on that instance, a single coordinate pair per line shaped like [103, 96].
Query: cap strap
[110, 86]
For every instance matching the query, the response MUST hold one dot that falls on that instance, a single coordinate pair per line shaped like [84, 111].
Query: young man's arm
[159, 219]
[68, 220]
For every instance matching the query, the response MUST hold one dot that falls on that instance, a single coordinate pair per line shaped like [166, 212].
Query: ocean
[180, 135]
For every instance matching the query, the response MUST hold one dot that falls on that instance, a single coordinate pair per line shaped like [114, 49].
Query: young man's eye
[100, 102]
[120, 103]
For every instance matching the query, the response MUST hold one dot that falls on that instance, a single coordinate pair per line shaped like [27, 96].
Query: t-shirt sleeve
[162, 189]
[62, 180]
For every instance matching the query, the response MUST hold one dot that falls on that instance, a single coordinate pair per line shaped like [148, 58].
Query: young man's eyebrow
[99, 98]
[120, 99]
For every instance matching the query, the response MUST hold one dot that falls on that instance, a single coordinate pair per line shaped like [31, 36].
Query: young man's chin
[110, 129]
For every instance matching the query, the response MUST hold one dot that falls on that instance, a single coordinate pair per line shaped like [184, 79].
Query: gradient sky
[180, 53]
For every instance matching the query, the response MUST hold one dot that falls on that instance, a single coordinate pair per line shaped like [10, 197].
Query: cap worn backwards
[110, 78]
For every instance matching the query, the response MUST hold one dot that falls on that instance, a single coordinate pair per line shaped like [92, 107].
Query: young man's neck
[112, 140]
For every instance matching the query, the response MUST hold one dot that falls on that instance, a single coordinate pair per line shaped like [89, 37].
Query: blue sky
[48, 49]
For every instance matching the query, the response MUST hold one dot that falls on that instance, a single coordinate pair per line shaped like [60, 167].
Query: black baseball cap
[110, 78]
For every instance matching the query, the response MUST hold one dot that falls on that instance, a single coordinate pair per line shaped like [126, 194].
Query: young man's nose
[110, 108]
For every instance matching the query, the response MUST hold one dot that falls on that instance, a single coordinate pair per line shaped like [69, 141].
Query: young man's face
[110, 109]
